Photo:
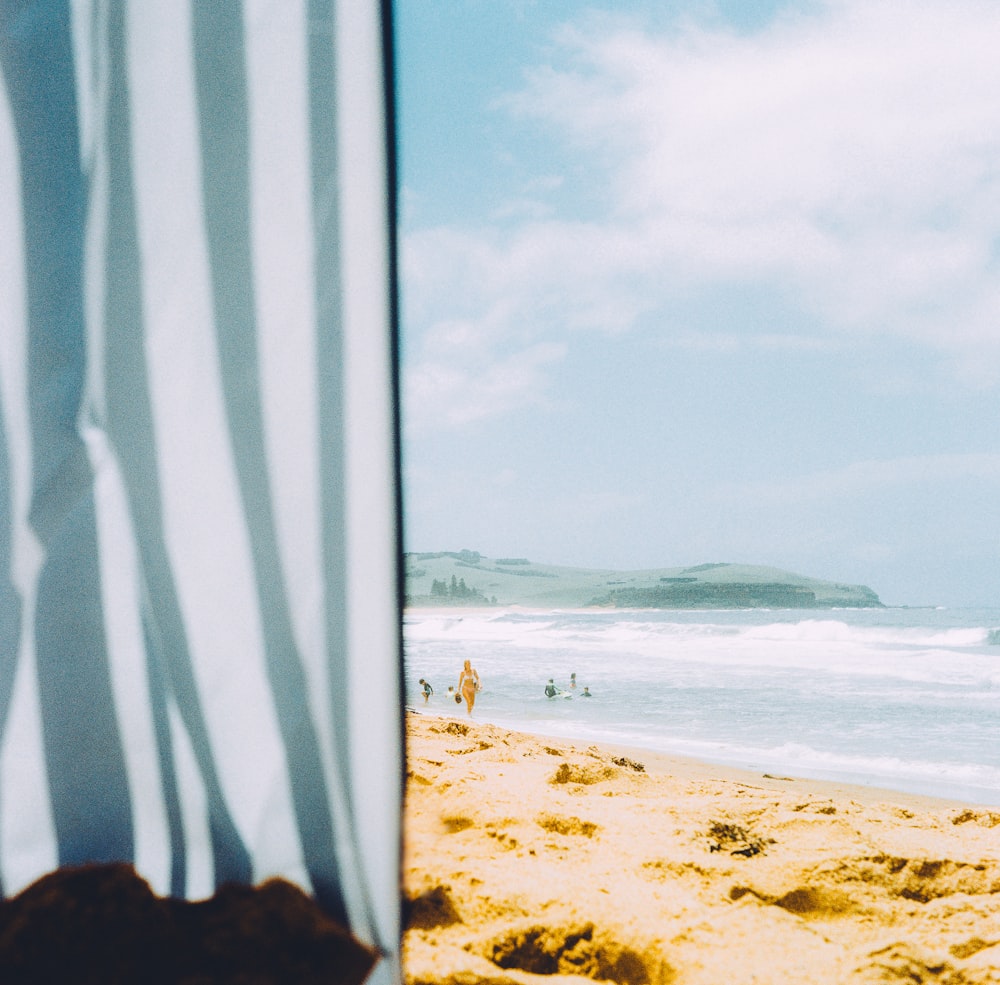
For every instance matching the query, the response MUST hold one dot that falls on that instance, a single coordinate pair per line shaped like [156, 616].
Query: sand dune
[529, 860]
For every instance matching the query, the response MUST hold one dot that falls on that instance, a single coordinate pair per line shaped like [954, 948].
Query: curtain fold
[200, 656]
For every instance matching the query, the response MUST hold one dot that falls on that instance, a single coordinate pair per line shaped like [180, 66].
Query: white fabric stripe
[284, 270]
[373, 629]
[121, 592]
[200, 880]
[91, 100]
[284, 264]
[203, 519]
[27, 832]
[86, 52]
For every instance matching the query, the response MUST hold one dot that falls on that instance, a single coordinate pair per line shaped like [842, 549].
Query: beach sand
[531, 860]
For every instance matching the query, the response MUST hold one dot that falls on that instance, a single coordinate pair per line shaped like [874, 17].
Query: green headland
[468, 578]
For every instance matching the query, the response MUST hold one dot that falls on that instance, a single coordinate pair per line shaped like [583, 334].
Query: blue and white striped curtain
[199, 592]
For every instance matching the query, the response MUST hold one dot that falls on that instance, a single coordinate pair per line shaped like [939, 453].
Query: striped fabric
[199, 596]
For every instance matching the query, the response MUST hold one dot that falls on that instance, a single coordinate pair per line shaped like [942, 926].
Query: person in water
[572, 681]
[428, 690]
[550, 689]
[469, 684]
[586, 693]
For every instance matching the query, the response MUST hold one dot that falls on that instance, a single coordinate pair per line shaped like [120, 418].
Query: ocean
[905, 699]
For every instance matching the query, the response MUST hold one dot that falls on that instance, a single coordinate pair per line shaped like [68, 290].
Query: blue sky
[683, 283]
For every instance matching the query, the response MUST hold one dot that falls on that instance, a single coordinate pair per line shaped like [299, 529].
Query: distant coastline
[467, 578]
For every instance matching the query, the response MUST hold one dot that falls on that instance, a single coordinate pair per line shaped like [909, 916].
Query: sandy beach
[530, 860]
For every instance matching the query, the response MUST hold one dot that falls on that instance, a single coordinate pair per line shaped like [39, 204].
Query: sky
[687, 282]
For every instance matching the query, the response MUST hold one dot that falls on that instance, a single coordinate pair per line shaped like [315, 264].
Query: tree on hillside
[456, 589]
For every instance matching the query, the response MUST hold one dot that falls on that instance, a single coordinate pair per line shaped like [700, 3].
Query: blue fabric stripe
[221, 83]
[85, 761]
[10, 599]
[37, 58]
[86, 767]
[131, 430]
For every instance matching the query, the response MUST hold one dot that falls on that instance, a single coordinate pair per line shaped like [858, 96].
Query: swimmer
[586, 693]
[550, 689]
[572, 681]
[469, 684]
[428, 690]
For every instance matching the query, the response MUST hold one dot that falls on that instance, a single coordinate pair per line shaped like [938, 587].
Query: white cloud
[455, 392]
[851, 156]
[854, 154]
[495, 311]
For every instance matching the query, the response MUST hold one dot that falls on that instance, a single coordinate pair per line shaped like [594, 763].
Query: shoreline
[890, 699]
[690, 767]
[528, 856]
[959, 795]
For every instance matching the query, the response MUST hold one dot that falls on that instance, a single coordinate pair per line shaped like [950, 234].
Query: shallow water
[907, 699]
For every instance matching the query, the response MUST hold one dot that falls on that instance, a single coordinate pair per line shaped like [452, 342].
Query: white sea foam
[833, 630]
[904, 698]
[589, 629]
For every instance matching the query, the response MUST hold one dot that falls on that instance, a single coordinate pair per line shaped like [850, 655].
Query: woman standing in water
[468, 684]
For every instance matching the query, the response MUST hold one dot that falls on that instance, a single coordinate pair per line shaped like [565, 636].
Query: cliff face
[469, 578]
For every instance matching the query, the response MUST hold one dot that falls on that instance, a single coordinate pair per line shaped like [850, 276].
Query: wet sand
[532, 860]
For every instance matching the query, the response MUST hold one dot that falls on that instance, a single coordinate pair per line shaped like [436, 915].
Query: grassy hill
[468, 578]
